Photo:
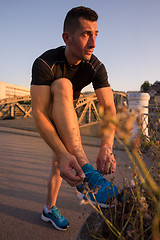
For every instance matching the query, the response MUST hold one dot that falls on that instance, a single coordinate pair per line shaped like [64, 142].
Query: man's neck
[70, 59]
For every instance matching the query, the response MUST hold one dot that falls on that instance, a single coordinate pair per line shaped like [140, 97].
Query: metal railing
[15, 106]
[86, 107]
[151, 121]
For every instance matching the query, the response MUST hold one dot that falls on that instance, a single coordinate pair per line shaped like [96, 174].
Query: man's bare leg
[50, 211]
[54, 183]
[65, 119]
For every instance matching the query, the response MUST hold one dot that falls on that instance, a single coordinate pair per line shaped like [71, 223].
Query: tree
[145, 86]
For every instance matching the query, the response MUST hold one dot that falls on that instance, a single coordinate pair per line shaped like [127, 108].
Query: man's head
[71, 22]
[79, 35]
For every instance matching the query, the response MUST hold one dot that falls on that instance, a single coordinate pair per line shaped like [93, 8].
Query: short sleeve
[100, 79]
[41, 73]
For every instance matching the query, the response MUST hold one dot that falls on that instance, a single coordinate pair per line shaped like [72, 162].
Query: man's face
[83, 41]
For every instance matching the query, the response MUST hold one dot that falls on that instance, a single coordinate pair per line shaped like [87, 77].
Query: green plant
[139, 216]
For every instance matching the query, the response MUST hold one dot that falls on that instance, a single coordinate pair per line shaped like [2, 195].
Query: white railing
[151, 121]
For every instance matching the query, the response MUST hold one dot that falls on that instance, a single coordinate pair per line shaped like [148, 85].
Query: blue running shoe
[57, 220]
[103, 189]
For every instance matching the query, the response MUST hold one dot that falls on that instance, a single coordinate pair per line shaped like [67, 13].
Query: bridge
[86, 107]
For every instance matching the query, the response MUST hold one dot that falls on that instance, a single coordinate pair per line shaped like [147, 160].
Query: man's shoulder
[54, 51]
[52, 56]
[95, 62]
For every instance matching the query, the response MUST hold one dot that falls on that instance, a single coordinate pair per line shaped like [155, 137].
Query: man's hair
[71, 22]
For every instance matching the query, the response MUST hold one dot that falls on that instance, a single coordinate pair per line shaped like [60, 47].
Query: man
[58, 76]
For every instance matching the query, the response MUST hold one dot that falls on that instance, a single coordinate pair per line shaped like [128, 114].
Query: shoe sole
[81, 196]
[45, 219]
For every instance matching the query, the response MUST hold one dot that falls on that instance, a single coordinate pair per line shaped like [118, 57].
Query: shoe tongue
[87, 168]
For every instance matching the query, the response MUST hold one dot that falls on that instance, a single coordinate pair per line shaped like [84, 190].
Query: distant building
[8, 90]
[154, 92]
[155, 87]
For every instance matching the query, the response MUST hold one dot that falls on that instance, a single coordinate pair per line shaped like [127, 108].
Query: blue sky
[128, 42]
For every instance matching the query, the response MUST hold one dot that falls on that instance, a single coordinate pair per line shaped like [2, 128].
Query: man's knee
[62, 87]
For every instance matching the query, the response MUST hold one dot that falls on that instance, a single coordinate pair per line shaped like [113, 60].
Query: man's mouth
[89, 52]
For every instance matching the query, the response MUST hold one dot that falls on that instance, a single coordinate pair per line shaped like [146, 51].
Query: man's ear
[66, 38]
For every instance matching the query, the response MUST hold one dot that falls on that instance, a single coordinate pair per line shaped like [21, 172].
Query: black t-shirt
[52, 65]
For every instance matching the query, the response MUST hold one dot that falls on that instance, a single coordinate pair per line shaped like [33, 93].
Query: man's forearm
[105, 161]
[48, 133]
[108, 139]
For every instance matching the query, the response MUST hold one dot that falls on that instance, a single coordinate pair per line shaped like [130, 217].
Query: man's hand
[67, 164]
[106, 162]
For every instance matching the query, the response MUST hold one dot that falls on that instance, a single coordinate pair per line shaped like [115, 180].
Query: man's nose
[92, 42]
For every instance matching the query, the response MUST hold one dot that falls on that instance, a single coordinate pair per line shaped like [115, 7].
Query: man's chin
[87, 57]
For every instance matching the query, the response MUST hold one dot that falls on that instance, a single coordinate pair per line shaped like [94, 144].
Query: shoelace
[95, 178]
[56, 213]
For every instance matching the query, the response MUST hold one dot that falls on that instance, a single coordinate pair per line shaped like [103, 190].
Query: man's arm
[41, 99]
[41, 102]
[105, 161]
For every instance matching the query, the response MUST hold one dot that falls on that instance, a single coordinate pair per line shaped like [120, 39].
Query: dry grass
[139, 215]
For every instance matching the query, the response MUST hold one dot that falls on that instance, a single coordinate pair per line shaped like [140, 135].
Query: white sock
[47, 210]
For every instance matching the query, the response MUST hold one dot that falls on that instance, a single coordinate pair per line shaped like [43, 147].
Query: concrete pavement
[24, 168]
